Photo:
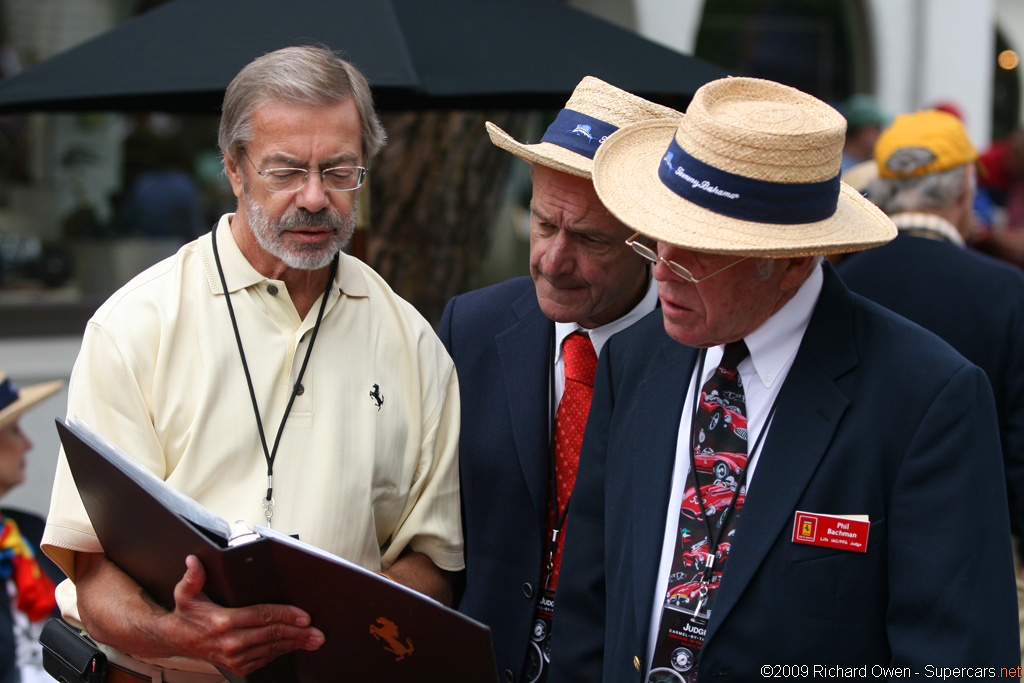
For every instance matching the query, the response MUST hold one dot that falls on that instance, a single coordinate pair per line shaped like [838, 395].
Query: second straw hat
[751, 170]
[15, 401]
[594, 111]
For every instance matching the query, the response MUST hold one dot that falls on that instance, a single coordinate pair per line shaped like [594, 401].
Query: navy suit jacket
[974, 302]
[501, 343]
[877, 417]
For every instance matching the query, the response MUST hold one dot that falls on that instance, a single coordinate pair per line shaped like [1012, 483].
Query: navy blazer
[973, 301]
[877, 417]
[501, 343]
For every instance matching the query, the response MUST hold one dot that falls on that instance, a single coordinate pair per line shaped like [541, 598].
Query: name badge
[848, 532]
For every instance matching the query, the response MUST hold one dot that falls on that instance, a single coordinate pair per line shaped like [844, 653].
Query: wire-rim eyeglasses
[650, 255]
[335, 179]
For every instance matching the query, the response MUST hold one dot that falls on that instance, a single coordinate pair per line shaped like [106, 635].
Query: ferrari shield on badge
[848, 532]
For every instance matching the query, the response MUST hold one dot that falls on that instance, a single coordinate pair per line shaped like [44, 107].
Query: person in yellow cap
[28, 577]
[927, 176]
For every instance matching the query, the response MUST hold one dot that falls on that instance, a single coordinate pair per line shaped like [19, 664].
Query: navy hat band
[736, 196]
[8, 393]
[578, 132]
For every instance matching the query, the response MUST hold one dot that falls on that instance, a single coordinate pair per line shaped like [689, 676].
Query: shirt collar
[774, 344]
[600, 335]
[239, 273]
[928, 223]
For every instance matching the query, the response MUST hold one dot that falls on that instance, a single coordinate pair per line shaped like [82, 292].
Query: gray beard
[300, 256]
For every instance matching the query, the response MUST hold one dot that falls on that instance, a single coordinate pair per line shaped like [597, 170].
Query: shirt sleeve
[432, 520]
[105, 394]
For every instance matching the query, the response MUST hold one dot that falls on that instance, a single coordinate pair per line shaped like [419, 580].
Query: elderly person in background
[927, 178]
[275, 380]
[28, 576]
[775, 470]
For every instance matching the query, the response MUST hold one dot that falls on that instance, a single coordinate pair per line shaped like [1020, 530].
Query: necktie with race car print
[707, 522]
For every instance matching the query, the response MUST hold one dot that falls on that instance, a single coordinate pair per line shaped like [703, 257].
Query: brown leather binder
[375, 629]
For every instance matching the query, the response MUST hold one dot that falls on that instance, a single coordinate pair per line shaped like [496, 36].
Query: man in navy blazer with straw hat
[509, 343]
[861, 528]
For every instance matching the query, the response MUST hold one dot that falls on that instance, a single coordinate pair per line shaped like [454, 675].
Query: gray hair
[930, 191]
[766, 266]
[307, 75]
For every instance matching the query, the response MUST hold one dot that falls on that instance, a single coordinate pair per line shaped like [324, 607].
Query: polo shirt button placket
[272, 290]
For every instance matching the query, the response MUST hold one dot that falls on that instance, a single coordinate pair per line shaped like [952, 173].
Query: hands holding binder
[271, 609]
[241, 639]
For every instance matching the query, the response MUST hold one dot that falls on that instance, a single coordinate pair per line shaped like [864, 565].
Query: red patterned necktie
[580, 362]
[706, 524]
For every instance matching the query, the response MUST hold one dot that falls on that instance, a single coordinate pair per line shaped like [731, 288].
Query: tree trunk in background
[435, 191]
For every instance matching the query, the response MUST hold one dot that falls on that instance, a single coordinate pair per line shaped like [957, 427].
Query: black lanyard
[271, 455]
[558, 518]
[752, 454]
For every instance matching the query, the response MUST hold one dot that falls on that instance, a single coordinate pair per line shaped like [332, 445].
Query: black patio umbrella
[417, 54]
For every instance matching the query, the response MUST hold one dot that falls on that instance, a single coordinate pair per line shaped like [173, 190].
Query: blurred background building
[83, 196]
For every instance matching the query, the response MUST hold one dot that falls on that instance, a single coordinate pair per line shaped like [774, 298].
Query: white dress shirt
[773, 347]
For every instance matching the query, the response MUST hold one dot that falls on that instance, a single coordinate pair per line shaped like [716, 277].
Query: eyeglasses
[336, 179]
[677, 269]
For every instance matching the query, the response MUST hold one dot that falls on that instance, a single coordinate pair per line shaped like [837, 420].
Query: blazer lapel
[810, 407]
[654, 426]
[524, 356]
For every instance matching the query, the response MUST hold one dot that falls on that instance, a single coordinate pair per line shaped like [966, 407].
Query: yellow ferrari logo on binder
[386, 630]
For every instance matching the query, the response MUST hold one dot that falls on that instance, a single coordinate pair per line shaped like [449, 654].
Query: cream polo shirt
[159, 374]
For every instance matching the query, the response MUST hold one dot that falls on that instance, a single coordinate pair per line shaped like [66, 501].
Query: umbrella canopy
[416, 54]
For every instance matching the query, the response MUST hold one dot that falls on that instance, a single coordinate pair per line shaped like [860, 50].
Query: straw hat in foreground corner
[595, 111]
[752, 169]
[14, 401]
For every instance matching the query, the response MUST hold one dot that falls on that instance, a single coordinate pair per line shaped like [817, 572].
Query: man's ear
[796, 270]
[234, 173]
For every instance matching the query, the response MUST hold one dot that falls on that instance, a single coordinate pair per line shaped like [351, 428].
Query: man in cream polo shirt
[274, 380]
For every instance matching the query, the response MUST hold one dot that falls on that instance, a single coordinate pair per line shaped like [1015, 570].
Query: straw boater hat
[595, 111]
[14, 401]
[752, 169]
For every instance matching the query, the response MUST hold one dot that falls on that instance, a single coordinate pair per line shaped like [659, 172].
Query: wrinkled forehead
[569, 200]
[304, 133]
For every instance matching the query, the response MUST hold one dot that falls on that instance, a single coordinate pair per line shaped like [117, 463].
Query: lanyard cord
[558, 519]
[271, 455]
[752, 456]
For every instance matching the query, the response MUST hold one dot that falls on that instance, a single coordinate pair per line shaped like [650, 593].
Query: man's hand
[117, 612]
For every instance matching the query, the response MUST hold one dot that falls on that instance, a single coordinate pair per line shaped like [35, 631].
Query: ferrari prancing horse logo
[386, 630]
[377, 396]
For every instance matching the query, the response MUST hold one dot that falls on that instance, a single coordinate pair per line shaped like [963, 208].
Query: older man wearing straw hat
[778, 477]
[523, 350]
